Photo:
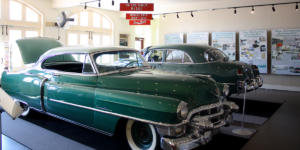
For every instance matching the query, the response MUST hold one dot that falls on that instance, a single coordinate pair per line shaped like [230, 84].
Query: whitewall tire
[141, 136]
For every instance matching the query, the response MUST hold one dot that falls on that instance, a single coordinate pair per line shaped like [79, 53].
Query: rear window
[76, 63]
[177, 56]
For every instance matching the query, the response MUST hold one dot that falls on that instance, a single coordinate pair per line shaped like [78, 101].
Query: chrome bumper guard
[259, 81]
[250, 86]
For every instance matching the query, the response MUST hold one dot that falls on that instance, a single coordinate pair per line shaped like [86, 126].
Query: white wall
[224, 20]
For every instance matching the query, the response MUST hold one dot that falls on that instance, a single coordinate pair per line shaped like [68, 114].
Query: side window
[77, 63]
[177, 56]
[112, 61]
[156, 56]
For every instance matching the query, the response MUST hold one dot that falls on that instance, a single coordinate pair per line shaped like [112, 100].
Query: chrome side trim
[230, 83]
[187, 120]
[118, 71]
[119, 115]
[74, 122]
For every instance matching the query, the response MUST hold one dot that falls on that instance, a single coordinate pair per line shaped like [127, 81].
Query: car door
[70, 87]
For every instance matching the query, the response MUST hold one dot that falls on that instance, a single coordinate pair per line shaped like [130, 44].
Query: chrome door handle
[56, 75]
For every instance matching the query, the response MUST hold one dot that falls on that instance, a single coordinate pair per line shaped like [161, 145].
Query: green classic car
[201, 59]
[102, 88]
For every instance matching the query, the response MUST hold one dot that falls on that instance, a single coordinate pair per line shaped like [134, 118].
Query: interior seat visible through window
[76, 63]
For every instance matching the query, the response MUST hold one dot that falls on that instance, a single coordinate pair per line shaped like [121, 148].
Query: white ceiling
[165, 6]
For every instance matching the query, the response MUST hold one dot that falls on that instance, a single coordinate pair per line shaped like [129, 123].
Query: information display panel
[225, 41]
[253, 48]
[174, 38]
[286, 51]
[197, 38]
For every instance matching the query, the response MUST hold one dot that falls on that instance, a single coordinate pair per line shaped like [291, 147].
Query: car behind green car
[201, 59]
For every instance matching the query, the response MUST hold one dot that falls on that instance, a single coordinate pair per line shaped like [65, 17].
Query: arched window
[18, 20]
[90, 28]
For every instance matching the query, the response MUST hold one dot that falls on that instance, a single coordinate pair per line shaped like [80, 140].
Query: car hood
[32, 48]
[196, 90]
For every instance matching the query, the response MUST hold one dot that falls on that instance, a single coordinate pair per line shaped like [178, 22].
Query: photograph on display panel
[225, 41]
[286, 51]
[253, 48]
[197, 38]
[174, 38]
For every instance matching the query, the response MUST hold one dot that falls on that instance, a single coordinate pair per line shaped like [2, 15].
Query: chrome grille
[212, 117]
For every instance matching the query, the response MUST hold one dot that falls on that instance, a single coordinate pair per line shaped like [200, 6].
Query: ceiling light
[273, 8]
[164, 15]
[252, 10]
[113, 2]
[177, 16]
[192, 14]
[297, 8]
[85, 7]
[128, 1]
[234, 11]
[99, 4]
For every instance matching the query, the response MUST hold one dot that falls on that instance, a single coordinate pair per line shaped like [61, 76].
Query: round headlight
[182, 110]
[226, 89]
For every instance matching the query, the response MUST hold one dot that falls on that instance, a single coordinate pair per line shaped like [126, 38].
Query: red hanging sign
[136, 7]
[139, 22]
[139, 16]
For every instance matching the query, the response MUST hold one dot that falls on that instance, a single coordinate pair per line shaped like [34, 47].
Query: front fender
[141, 107]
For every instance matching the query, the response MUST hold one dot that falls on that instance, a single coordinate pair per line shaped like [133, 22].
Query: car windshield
[215, 55]
[117, 60]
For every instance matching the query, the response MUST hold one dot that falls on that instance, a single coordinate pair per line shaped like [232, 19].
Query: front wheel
[141, 136]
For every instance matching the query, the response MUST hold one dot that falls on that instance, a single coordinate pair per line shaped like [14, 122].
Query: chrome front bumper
[190, 141]
[201, 128]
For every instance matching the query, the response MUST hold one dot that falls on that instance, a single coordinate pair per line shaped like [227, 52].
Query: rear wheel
[26, 112]
[141, 136]
[25, 107]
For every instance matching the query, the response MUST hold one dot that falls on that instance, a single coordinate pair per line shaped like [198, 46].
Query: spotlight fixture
[113, 2]
[234, 11]
[252, 10]
[85, 6]
[273, 8]
[99, 4]
[177, 16]
[297, 8]
[164, 15]
[192, 14]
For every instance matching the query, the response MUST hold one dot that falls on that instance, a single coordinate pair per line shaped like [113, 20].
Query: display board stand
[242, 130]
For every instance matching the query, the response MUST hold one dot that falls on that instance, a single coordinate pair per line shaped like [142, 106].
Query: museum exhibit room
[149, 75]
